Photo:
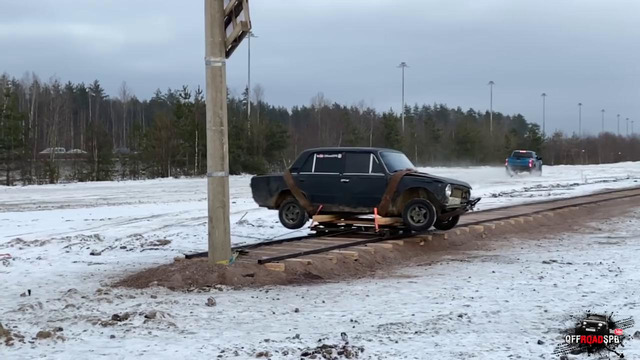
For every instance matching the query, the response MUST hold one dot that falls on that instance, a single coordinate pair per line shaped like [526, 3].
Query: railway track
[347, 242]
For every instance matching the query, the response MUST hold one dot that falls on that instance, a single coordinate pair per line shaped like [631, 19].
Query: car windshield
[522, 154]
[396, 161]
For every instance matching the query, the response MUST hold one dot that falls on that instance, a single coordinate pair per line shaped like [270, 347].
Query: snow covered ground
[50, 230]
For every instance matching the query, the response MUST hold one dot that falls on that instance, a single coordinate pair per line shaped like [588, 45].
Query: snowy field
[50, 231]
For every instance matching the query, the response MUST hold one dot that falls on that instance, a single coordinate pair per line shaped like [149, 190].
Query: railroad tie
[274, 266]
[395, 242]
[420, 239]
[440, 236]
[305, 261]
[351, 254]
[368, 248]
[331, 258]
[382, 245]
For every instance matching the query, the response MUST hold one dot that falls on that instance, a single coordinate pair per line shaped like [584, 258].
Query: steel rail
[320, 250]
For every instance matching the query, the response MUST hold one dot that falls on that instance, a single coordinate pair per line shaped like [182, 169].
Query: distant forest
[53, 131]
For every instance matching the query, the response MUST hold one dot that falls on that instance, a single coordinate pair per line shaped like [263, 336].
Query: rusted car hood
[439, 178]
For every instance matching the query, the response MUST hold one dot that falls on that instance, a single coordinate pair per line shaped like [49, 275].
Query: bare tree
[32, 130]
[318, 102]
[125, 96]
[258, 97]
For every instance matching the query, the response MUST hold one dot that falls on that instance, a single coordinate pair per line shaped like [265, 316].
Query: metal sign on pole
[226, 24]
[237, 24]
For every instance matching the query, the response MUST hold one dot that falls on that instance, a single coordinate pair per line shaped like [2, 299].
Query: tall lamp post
[627, 127]
[403, 65]
[249, 36]
[491, 83]
[580, 119]
[602, 119]
[544, 110]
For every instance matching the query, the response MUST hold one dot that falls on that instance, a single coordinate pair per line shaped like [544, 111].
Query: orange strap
[392, 186]
[297, 193]
[375, 218]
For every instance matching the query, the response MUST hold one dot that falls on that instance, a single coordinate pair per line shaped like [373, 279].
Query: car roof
[348, 148]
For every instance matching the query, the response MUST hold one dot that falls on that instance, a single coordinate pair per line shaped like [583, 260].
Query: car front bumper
[459, 209]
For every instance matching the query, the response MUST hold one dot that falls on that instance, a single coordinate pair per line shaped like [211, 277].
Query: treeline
[52, 131]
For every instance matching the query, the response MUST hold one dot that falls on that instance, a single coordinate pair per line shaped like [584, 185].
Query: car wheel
[292, 214]
[509, 172]
[419, 214]
[447, 224]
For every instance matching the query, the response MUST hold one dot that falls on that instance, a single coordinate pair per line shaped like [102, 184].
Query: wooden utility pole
[217, 133]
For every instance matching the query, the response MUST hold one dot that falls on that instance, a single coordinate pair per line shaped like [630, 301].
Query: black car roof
[347, 148]
[306, 153]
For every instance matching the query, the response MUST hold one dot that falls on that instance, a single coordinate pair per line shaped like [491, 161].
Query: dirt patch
[53, 334]
[9, 337]
[197, 273]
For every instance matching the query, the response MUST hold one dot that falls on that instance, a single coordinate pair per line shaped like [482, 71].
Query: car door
[319, 178]
[363, 181]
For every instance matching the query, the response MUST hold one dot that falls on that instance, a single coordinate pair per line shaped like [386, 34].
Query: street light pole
[491, 83]
[602, 120]
[217, 133]
[249, 36]
[403, 65]
[627, 127]
[580, 119]
[544, 96]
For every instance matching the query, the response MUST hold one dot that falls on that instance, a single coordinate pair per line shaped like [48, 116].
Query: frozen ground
[49, 231]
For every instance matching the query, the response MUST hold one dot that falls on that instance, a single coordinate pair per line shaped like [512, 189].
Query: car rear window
[328, 162]
[522, 154]
[357, 163]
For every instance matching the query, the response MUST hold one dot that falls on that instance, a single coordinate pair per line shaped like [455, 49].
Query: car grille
[461, 193]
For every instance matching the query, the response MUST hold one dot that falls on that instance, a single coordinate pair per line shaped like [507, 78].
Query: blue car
[523, 161]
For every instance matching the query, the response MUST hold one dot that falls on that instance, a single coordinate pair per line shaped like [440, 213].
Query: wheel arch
[415, 192]
[282, 196]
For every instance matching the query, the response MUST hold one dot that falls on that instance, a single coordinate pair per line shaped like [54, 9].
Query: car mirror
[539, 158]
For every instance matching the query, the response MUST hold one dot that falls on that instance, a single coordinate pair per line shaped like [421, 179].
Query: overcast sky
[576, 51]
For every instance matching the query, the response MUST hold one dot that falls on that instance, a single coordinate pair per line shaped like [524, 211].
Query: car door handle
[344, 180]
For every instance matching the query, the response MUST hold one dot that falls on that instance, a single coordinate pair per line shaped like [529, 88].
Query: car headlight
[447, 190]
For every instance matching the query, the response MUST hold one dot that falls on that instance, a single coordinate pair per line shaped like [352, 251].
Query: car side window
[328, 162]
[357, 163]
[376, 167]
[308, 165]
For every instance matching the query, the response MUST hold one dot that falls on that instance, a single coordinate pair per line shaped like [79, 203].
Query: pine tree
[11, 133]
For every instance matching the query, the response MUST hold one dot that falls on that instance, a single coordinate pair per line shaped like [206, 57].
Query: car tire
[419, 214]
[292, 215]
[447, 224]
[509, 172]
